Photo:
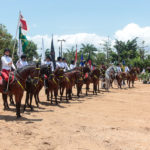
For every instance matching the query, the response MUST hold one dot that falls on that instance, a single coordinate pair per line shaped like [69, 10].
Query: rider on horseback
[6, 66]
[65, 65]
[49, 62]
[22, 62]
[72, 65]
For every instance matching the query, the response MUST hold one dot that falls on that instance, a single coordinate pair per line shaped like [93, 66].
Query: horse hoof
[18, 116]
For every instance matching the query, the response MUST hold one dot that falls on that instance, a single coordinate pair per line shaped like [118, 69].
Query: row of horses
[33, 78]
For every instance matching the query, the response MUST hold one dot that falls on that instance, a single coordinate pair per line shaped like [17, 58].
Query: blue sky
[102, 17]
[79, 21]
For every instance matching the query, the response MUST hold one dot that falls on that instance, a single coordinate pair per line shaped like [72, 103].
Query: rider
[22, 62]
[7, 64]
[72, 65]
[49, 62]
[118, 68]
[126, 69]
[59, 63]
[65, 65]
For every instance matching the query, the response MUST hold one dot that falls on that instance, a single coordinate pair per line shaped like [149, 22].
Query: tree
[70, 54]
[30, 51]
[88, 48]
[126, 50]
[107, 49]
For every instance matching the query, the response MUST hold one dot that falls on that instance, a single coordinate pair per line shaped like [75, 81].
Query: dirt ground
[118, 120]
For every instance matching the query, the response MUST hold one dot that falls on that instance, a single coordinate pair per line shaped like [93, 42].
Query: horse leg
[51, 97]
[18, 104]
[5, 101]
[56, 93]
[36, 100]
[61, 95]
[86, 89]
[11, 100]
[31, 95]
[26, 101]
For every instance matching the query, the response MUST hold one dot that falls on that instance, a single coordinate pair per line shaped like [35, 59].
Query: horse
[34, 85]
[17, 87]
[109, 77]
[131, 75]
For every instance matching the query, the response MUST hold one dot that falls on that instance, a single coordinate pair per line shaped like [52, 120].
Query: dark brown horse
[34, 85]
[17, 87]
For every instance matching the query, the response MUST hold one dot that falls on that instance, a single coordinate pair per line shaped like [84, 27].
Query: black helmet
[72, 61]
[6, 50]
[64, 59]
[59, 58]
[23, 56]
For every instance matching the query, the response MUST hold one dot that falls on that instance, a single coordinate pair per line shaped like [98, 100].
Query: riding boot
[5, 89]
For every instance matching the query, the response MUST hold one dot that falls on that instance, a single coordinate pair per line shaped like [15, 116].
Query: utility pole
[61, 41]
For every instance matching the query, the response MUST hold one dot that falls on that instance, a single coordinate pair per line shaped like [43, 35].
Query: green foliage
[47, 52]
[69, 54]
[30, 51]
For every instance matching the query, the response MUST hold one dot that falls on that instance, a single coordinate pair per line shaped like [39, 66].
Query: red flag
[76, 55]
[23, 23]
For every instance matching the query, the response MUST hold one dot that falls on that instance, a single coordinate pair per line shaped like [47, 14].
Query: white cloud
[129, 32]
[133, 30]
[71, 40]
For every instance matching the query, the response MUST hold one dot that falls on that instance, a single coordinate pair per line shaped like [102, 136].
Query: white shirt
[20, 63]
[65, 66]
[59, 65]
[72, 66]
[5, 63]
[118, 69]
[126, 69]
[49, 63]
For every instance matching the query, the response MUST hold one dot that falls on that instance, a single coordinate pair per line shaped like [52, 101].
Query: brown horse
[131, 76]
[34, 85]
[17, 87]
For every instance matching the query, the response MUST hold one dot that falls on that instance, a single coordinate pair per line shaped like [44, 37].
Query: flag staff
[16, 34]
[14, 48]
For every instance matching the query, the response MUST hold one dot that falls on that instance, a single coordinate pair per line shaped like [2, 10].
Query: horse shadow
[49, 104]
[8, 118]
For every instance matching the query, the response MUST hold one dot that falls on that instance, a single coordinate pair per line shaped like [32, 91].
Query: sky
[78, 21]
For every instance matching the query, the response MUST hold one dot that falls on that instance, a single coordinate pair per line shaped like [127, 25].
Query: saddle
[5, 77]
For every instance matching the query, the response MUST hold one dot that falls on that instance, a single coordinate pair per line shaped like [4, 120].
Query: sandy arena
[118, 120]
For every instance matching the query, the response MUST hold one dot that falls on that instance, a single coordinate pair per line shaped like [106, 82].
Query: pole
[14, 47]
[61, 41]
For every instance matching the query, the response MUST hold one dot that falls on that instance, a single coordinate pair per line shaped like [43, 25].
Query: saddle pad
[86, 75]
[6, 77]
[1, 80]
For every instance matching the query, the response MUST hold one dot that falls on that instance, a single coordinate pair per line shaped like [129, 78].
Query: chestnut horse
[17, 87]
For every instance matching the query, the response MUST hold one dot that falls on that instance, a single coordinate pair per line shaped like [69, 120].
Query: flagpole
[16, 35]
[14, 48]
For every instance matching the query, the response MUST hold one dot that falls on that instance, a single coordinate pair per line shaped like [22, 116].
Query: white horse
[109, 72]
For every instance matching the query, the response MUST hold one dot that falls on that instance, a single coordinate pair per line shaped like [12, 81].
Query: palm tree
[88, 49]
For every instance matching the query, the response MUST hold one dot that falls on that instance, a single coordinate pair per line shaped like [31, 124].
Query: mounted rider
[65, 65]
[22, 61]
[49, 62]
[7, 65]
[72, 65]
[59, 63]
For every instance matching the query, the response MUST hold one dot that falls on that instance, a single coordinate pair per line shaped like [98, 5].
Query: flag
[22, 42]
[89, 60]
[43, 52]
[76, 56]
[52, 53]
[82, 63]
[23, 23]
